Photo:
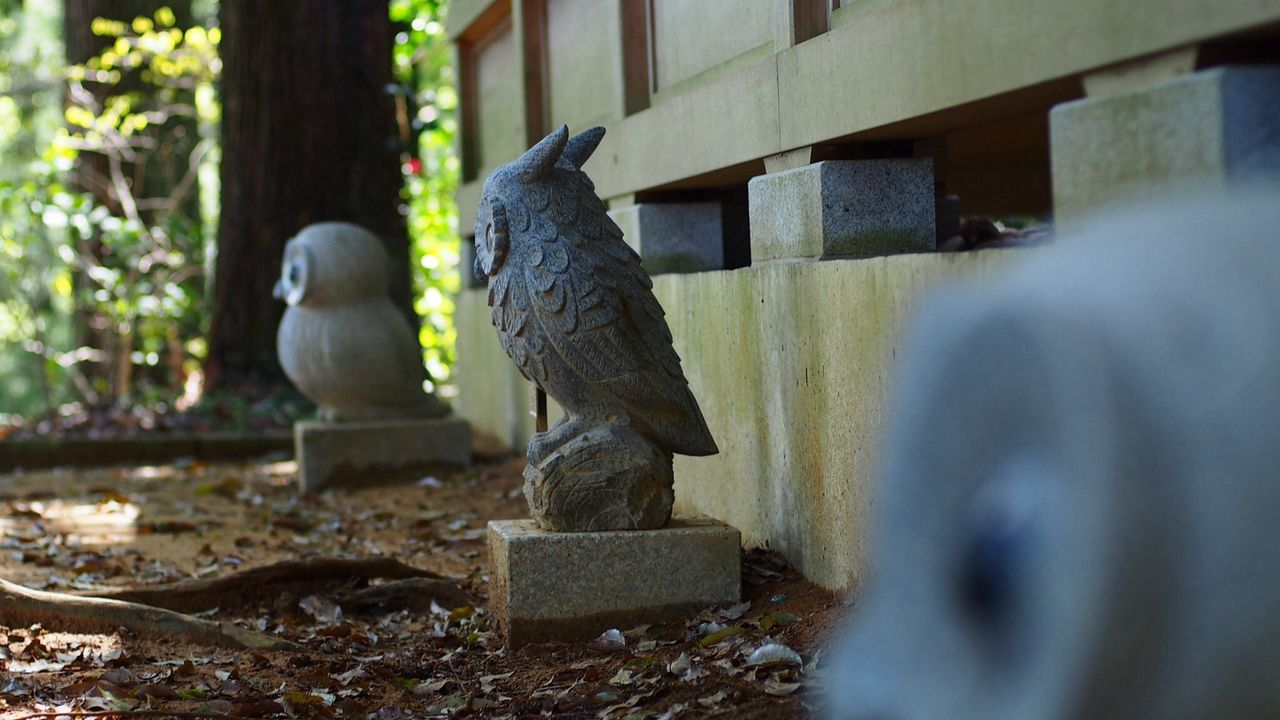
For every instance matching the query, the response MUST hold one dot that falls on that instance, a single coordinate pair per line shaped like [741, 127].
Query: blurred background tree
[34, 297]
[113, 293]
[424, 68]
[311, 133]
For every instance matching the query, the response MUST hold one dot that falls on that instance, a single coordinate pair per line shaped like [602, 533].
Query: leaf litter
[372, 648]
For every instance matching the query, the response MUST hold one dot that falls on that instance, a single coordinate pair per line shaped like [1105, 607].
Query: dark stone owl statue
[1094, 534]
[575, 310]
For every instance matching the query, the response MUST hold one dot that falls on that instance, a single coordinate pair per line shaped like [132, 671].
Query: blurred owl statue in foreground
[575, 310]
[341, 340]
[1096, 531]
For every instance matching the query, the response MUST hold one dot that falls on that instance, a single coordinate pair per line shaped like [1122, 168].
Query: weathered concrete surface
[1210, 128]
[729, 120]
[499, 95]
[851, 208]
[887, 63]
[578, 53]
[462, 13]
[697, 38]
[674, 237]
[569, 586]
[791, 364]
[370, 452]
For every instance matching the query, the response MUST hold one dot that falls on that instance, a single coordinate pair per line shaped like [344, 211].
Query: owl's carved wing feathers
[509, 299]
[598, 313]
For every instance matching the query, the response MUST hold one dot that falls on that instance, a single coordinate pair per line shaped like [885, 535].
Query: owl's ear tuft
[539, 159]
[580, 147]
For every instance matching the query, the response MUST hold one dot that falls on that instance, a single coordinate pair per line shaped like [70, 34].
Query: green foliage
[144, 256]
[122, 252]
[33, 306]
[104, 272]
[422, 63]
[35, 293]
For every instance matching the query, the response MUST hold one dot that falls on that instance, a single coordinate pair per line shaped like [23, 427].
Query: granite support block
[674, 237]
[1210, 128]
[546, 586]
[843, 208]
[365, 453]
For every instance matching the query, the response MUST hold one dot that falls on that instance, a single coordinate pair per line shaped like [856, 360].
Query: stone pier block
[1209, 128]
[674, 237]
[359, 453]
[546, 586]
[843, 208]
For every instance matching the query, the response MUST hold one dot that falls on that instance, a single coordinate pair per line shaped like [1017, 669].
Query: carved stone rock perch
[575, 310]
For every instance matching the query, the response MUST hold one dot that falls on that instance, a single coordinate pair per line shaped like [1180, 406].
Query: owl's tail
[690, 434]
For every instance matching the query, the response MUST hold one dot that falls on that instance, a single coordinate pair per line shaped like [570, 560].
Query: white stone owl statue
[341, 341]
[1079, 517]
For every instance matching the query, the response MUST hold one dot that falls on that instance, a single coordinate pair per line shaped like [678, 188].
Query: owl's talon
[544, 443]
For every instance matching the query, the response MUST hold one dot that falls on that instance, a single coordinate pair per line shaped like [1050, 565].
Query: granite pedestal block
[360, 453]
[546, 586]
[674, 237]
[843, 208]
[1212, 128]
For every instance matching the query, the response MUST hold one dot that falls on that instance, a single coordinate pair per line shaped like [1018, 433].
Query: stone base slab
[546, 586]
[361, 453]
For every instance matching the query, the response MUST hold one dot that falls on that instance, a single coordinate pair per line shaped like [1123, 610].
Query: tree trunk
[309, 135]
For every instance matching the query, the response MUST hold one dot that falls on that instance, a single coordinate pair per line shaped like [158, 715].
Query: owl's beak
[278, 291]
[478, 271]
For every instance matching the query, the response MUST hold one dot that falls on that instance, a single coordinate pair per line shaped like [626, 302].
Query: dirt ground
[91, 530]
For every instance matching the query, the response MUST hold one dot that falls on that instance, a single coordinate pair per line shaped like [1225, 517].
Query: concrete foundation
[1209, 128]
[546, 586]
[363, 453]
[792, 365]
[674, 237]
[848, 208]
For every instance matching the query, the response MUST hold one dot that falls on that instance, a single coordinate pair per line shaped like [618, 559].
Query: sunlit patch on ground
[78, 523]
[26, 652]
[281, 473]
[153, 472]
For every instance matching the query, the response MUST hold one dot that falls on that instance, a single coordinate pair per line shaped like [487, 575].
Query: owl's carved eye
[989, 569]
[999, 538]
[495, 241]
[293, 281]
